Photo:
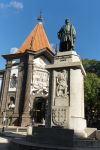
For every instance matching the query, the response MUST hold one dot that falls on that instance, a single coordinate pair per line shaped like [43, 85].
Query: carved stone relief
[63, 59]
[40, 77]
[59, 116]
[13, 81]
[61, 101]
[40, 81]
[62, 84]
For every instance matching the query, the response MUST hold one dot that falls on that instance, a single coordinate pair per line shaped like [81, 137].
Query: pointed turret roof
[36, 40]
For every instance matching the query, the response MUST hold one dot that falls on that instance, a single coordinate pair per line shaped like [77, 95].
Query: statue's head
[67, 21]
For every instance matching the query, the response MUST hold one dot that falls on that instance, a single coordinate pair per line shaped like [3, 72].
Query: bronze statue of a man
[67, 36]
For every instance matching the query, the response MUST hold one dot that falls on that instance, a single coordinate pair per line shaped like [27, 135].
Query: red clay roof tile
[36, 40]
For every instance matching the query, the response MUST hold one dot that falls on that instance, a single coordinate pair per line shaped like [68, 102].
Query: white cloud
[12, 4]
[13, 50]
[16, 5]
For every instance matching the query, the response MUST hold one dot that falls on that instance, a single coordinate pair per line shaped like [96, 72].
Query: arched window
[11, 105]
[12, 99]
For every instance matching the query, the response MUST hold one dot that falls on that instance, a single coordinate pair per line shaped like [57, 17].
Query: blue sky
[18, 18]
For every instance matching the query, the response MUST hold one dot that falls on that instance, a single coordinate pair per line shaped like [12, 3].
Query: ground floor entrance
[38, 111]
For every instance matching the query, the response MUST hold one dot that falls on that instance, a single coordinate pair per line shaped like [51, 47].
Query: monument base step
[78, 145]
[91, 132]
[53, 139]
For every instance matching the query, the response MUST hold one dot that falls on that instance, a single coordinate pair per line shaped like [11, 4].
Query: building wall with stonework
[40, 76]
[25, 80]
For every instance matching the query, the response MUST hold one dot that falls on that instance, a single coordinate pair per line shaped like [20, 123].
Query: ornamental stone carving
[61, 84]
[13, 81]
[59, 116]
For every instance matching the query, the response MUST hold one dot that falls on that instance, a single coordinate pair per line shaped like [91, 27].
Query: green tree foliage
[92, 92]
[92, 66]
[92, 98]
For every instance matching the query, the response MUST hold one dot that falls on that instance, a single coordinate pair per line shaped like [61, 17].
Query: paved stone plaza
[4, 143]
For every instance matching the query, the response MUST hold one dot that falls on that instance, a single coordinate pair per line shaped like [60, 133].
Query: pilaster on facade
[5, 85]
[19, 89]
[1, 82]
[28, 82]
[51, 81]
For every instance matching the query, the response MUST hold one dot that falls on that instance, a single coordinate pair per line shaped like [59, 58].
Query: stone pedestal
[66, 92]
[52, 137]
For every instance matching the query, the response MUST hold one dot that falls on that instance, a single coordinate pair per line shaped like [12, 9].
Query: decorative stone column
[26, 117]
[19, 89]
[5, 85]
[1, 78]
[51, 95]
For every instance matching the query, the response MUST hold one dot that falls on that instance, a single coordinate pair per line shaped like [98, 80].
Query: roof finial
[40, 18]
